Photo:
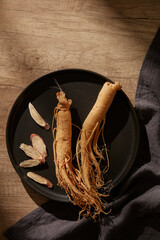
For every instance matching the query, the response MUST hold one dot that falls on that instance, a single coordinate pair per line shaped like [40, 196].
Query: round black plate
[121, 129]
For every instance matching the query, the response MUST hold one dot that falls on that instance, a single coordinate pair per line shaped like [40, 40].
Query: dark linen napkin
[136, 209]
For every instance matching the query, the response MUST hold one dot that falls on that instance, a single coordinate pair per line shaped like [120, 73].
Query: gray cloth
[136, 208]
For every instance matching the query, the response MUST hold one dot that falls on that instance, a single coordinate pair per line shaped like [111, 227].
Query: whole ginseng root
[87, 150]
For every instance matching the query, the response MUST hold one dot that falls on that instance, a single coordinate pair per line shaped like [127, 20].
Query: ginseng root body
[62, 140]
[87, 148]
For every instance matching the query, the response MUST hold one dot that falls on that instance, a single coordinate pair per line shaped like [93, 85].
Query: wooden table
[36, 37]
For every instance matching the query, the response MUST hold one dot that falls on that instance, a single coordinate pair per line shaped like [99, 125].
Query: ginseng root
[66, 173]
[87, 150]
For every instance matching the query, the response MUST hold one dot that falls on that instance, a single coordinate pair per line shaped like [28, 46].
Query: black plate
[82, 86]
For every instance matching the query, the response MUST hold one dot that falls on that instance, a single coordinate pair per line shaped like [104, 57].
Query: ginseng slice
[30, 163]
[39, 179]
[38, 144]
[32, 152]
[37, 117]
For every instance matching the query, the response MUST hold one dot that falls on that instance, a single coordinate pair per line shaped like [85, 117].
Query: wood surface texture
[110, 37]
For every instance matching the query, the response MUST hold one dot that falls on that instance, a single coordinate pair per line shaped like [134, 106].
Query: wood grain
[109, 37]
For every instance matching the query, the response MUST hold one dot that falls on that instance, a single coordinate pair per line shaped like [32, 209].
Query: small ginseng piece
[40, 179]
[30, 163]
[32, 152]
[37, 117]
[38, 144]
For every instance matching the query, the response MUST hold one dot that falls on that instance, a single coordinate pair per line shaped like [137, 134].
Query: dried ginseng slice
[30, 163]
[37, 117]
[38, 144]
[39, 179]
[32, 152]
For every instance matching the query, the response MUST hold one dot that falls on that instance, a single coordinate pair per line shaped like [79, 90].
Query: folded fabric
[136, 209]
